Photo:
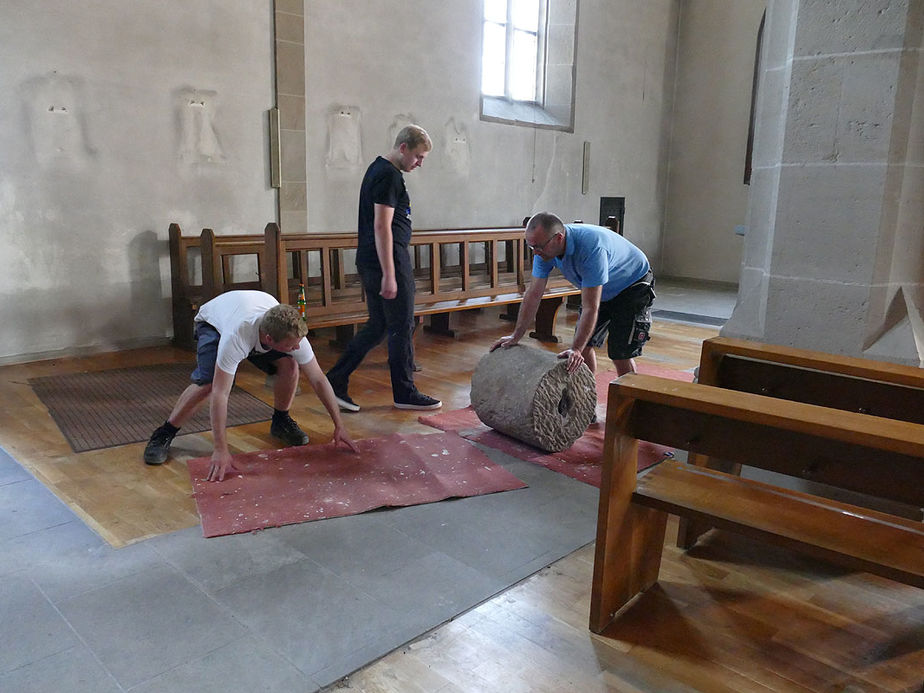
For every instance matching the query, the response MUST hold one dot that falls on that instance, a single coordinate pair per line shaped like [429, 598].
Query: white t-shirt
[236, 315]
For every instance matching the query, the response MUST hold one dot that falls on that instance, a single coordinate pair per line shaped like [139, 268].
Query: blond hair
[413, 136]
[283, 321]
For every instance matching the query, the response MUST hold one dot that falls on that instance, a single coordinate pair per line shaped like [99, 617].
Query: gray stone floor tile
[480, 540]
[243, 666]
[68, 559]
[30, 627]
[691, 296]
[311, 616]
[146, 624]
[74, 671]
[219, 562]
[430, 589]
[487, 533]
[347, 545]
[27, 506]
[11, 470]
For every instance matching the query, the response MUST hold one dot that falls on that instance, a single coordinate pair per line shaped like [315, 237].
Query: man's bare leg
[191, 399]
[624, 366]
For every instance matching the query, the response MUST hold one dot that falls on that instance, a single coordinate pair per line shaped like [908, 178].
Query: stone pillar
[834, 253]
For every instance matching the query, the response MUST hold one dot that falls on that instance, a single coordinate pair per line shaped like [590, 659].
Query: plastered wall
[373, 67]
[119, 118]
[116, 119]
[707, 197]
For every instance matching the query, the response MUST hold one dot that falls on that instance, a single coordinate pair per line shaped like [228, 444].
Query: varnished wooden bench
[872, 387]
[219, 254]
[214, 255]
[842, 382]
[877, 456]
[186, 292]
[319, 262]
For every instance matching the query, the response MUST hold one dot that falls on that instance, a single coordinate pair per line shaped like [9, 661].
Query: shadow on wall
[145, 317]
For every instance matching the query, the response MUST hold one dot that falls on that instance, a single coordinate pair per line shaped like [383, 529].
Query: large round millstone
[529, 395]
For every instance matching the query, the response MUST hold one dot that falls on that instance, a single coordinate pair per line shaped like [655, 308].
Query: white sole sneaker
[418, 407]
[346, 405]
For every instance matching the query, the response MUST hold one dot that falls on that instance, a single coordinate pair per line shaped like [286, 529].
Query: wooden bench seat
[882, 457]
[788, 518]
[866, 386]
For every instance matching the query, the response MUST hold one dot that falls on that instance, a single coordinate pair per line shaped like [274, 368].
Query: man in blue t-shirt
[384, 266]
[616, 283]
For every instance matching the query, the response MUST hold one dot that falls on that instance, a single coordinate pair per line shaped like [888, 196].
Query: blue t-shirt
[596, 256]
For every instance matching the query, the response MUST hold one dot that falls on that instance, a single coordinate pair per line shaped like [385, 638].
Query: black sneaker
[158, 447]
[288, 431]
[344, 402]
[418, 400]
[343, 399]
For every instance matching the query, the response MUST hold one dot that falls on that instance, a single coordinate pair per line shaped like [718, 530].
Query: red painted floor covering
[280, 487]
[583, 460]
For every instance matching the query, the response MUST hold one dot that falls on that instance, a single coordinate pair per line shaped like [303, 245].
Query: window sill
[500, 110]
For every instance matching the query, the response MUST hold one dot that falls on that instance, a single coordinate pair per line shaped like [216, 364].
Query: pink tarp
[583, 460]
[280, 487]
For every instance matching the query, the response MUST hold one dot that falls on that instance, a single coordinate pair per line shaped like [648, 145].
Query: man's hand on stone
[574, 359]
[504, 342]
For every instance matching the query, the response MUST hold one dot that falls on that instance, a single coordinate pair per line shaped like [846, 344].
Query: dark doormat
[107, 408]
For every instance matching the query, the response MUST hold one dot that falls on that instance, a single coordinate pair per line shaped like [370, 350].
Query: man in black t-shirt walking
[384, 266]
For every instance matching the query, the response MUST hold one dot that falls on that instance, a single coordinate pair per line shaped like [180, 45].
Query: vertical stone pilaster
[290, 99]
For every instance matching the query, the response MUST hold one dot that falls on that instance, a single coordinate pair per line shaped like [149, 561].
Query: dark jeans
[394, 317]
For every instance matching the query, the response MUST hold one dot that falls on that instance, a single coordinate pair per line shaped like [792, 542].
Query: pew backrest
[862, 385]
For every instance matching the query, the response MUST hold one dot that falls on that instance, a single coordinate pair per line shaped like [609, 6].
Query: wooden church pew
[882, 457]
[842, 382]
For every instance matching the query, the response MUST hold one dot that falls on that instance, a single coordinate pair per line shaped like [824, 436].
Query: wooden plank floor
[730, 615]
[126, 501]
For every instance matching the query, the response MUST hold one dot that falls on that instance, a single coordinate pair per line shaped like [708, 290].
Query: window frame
[537, 113]
[510, 31]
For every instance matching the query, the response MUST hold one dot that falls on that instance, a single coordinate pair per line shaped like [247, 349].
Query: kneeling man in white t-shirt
[250, 325]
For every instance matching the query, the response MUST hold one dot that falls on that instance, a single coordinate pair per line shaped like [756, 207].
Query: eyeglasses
[537, 248]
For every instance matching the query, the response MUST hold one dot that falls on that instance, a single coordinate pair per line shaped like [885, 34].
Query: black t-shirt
[383, 184]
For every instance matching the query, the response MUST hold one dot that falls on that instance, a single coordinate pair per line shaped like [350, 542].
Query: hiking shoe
[288, 431]
[418, 400]
[158, 448]
[345, 403]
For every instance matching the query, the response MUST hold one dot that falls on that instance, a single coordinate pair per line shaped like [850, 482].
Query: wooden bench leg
[344, 333]
[416, 366]
[630, 538]
[511, 312]
[545, 319]
[183, 328]
[439, 324]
